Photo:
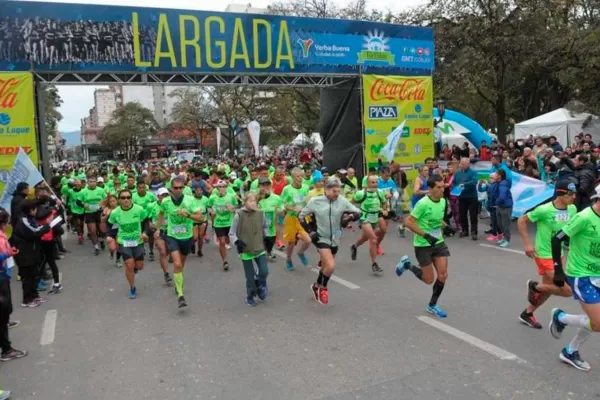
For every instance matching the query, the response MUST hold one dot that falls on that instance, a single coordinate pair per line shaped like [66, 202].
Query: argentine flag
[392, 142]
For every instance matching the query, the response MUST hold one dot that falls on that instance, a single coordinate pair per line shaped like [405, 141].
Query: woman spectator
[19, 196]
[6, 263]
[446, 153]
[26, 237]
[46, 211]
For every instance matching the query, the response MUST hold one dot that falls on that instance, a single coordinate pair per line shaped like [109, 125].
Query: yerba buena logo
[376, 49]
[305, 45]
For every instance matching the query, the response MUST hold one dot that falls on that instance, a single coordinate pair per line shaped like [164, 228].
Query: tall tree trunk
[501, 118]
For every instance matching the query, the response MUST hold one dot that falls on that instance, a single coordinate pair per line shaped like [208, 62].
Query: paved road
[368, 343]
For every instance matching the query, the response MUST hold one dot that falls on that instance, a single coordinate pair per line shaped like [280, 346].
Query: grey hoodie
[328, 215]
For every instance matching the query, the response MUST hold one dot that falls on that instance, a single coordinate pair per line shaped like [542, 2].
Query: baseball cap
[565, 187]
[233, 175]
[162, 191]
[100, 179]
[342, 171]
[597, 193]
[263, 179]
[221, 183]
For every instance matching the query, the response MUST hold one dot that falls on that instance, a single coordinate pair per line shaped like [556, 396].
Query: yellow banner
[389, 102]
[17, 121]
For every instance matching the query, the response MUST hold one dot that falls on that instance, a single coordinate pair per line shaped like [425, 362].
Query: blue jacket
[468, 179]
[504, 199]
[506, 170]
[492, 192]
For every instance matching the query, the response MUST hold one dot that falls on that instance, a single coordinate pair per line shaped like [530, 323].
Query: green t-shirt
[271, 206]
[549, 220]
[201, 203]
[130, 225]
[583, 259]
[430, 216]
[254, 186]
[73, 197]
[92, 197]
[64, 191]
[307, 181]
[188, 191]
[143, 201]
[370, 204]
[364, 181]
[223, 216]
[178, 227]
[294, 197]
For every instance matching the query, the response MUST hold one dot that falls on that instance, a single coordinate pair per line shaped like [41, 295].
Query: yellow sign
[403, 106]
[17, 121]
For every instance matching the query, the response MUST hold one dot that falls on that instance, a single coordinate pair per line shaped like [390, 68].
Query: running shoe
[42, 286]
[315, 291]
[119, 264]
[80, 240]
[303, 259]
[4, 394]
[353, 251]
[463, 234]
[200, 254]
[31, 304]
[228, 247]
[401, 231]
[492, 238]
[12, 354]
[40, 300]
[556, 327]
[96, 251]
[263, 291]
[111, 256]
[574, 360]
[225, 266]
[280, 245]
[529, 320]
[437, 311]
[289, 265]
[133, 293]
[473, 235]
[135, 271]
[102, 246]
[56, 289]
[376, 268]
[402, 265]
[250, 301]
[272, 257]
[181, 302]
[13, 324]
[323, 295]
[380, 251]
[533, 297]
[504, 244]
[168, 278]
[151, 257]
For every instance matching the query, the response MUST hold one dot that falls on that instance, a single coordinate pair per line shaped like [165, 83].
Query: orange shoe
[380, 251]
[323, 295]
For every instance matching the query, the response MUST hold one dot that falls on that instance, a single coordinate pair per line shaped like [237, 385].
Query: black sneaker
[96, 251]
[353, 251]
[225, 266]
[151, 257]
[181, 302]
[572, 359]
[473, 235]
[102, 246]
[463, 234]
[488, 232]
[376, 268]
[529, 320]
[533, 296]
[168, 278]
[12, 354]
[556, 327]
[200, 254]
[135, 271]
[56, 289]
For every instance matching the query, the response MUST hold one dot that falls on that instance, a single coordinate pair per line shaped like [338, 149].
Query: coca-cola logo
[8, 93]
[409, 89]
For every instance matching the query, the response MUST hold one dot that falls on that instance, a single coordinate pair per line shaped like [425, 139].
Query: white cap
[144, 172]
[233, 175]
[342, 171]
[100, 179]
[597, 194]
[162, 191]
[221, 183]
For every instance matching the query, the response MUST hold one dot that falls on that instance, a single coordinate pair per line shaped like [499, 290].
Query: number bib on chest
[179, 229]
[130, 243]
[94, 207]
[562, 216]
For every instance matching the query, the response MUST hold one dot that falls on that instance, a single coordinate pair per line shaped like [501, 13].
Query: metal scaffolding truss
[139, 78]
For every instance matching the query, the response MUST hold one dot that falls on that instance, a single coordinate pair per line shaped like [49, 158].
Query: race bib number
[269, 220]
[94, 207]
[130, 243]
[373, 217]
[436, 233]
[299, 199]
[10, 262]
[562, 216]
[179, 229]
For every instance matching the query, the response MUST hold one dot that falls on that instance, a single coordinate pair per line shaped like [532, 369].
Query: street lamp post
[440, 105]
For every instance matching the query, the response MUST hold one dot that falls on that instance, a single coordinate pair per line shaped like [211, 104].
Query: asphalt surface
[368, 343]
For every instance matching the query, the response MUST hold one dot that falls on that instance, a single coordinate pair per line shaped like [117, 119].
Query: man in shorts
[222, 207]
[92, 197]
[583, 275]
[145, 199]
[294, 199]
[549, 219]
[130, 238]
[180, 213]
[426, 220]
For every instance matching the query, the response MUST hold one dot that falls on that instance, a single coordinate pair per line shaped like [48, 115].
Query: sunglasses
[176, 187]
[125, 197]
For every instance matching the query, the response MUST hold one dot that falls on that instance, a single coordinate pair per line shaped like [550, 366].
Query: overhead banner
[398, 120]
[17, 121]
[98, 38]
[254, 133]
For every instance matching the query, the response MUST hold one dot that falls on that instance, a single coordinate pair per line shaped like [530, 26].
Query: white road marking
[472, 340]
[49, 328]
[491, 246]
[334, 278]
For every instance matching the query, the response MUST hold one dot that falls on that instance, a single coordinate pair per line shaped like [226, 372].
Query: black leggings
[5, 310]
[29, 280]
[269, 243]
[49, 256]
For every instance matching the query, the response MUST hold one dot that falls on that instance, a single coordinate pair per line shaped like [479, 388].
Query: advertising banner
[17, 121]
[398, 120]
[98, 38]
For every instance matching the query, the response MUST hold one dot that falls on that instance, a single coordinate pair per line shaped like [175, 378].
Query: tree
[130, 124]
[193, 109]
[52, 103]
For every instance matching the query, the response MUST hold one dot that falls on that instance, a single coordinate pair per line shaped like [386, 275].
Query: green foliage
[52, 103]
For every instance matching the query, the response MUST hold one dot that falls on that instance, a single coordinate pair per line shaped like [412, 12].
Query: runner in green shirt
[180, 213]
[160, 232]
[201, 203]
[145, 199]
[92, 197]
[294, 200]
[272, 206]
[372, 202]
[426, 220]
[549, 219]
[77, 210]
[583, 275]
[130, 237]
[222, 208]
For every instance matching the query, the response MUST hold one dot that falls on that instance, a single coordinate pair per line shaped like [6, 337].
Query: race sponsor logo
[14, 150]
[418, 114]
[383, 112]
[376, 49]
[410, 89]
[305, 45]
[418, 55]
[422, 131]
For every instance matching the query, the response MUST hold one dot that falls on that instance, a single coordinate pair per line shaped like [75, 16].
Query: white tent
[314, 139]
[560, 123]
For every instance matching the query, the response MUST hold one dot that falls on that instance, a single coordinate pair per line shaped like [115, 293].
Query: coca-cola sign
[8, 93]
[409, 89]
